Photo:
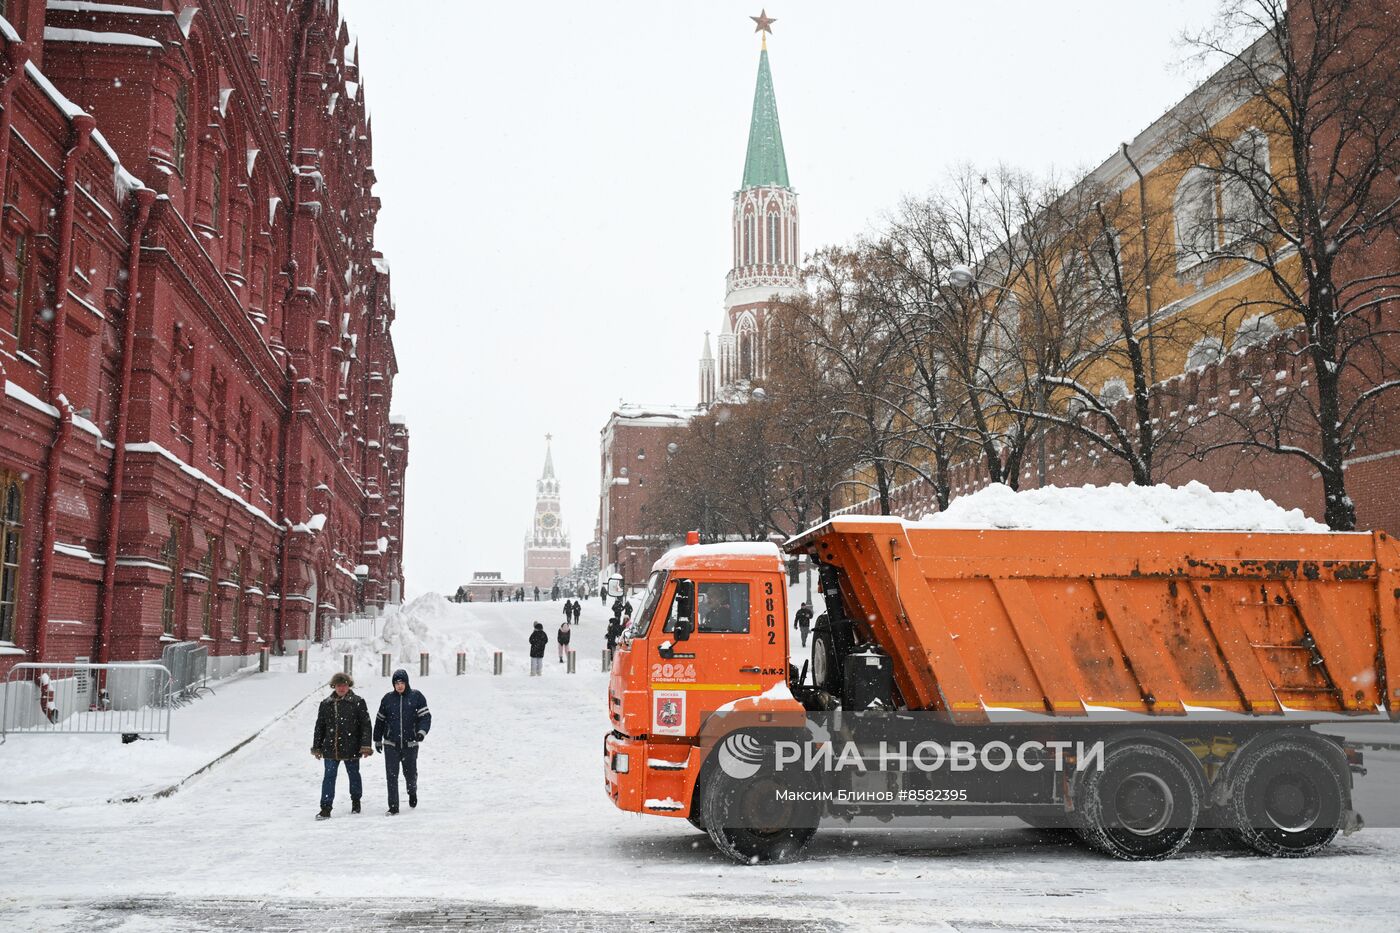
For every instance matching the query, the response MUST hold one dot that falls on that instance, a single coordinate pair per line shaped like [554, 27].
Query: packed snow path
[513, 831]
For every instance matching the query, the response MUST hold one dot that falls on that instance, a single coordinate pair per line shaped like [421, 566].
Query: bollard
[497, 663]
[350, 664]
[301, 660]
[572, 655]
[385, 660]
[461, 663]
[423, 664]
[607, 660]
[263, 660]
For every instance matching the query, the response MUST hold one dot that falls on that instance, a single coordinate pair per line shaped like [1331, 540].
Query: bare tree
[1307, 194]
[858, 354]
[910, 261]
[1088, 260]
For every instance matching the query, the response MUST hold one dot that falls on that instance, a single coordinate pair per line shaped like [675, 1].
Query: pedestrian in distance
[803, 622]
[568, 610]
[402, 724]
[563, 640]
[614, 630]
[578, 610]
[538, 641]
[343, 734]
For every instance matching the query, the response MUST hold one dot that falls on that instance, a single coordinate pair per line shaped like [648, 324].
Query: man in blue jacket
[402, 723]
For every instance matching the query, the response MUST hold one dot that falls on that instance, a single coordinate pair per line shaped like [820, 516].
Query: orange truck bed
[1072, 623]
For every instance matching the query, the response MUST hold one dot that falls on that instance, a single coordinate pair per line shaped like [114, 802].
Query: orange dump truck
[1132, 686]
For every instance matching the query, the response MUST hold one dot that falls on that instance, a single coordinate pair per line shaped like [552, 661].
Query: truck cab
[709, 634]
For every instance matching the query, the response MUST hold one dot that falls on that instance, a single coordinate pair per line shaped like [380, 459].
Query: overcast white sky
[556, 179]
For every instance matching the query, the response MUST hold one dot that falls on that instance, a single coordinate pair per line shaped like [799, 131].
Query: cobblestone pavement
[139, 915]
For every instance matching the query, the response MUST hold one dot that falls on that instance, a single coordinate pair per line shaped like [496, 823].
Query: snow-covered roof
[724, 551]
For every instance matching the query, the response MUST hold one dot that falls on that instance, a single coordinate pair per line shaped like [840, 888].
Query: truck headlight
[620, 762]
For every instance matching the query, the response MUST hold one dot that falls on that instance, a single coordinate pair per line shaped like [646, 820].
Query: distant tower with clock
[547, 553]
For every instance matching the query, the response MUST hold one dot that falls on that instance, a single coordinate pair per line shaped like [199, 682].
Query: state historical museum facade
[195, 350]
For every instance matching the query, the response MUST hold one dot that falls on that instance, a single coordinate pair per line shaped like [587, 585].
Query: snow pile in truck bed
[1193, 507]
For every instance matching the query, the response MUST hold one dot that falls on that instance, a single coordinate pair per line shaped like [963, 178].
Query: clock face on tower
[549, 521]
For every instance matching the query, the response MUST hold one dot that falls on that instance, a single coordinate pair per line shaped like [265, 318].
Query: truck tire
[824, 664]
[1288, 796]
[745, 819]
[1143, 804]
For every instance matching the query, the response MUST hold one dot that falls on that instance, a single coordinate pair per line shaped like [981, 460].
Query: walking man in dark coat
[568, 610]
[538, 641]
[578, 608]
[342, 735]
[803, 622]
[402, 724]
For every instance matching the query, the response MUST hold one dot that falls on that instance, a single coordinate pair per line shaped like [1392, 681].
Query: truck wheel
[748, 821]
[1287, 797]
[824, 663]
[1143, 804]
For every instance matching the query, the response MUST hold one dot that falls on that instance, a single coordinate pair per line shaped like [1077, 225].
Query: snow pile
[417, 628]
[1193, 507]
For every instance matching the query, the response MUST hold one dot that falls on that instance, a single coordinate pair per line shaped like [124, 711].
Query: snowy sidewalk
[68, 770]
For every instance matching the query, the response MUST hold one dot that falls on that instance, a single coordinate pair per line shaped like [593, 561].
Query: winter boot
[393, 811]
[413, 798]
[325, 814]
[355, 805]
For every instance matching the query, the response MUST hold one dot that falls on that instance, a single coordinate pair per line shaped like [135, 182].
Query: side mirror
[685, 616]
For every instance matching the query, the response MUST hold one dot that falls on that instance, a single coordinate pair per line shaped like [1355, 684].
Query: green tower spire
[765, 165]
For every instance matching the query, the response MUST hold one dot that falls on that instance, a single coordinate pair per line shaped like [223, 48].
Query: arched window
[773, 225]
[1204, 352]
[236, 578]
[170, 556]
[181, 139]
[21, 282]
[1196, 220]
[1244, 187]
[11, 524]
[748, 349]
[209, 568]
[748, 238]
[216, 192]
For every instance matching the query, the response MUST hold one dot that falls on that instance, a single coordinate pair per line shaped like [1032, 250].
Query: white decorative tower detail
[547, 554]
[766, 245]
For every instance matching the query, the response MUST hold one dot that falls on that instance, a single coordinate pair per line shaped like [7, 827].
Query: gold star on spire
[764, 24]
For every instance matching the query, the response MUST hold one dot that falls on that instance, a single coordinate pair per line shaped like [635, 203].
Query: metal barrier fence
[71, 699]
[351, 628]
[188, 664]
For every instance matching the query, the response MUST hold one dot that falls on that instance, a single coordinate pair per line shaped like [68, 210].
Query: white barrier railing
[71, 699]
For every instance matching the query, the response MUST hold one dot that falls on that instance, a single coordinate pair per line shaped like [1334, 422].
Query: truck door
[713, 650]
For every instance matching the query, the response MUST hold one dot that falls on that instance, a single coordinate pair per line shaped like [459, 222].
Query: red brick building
[633, 451]
[194, 331]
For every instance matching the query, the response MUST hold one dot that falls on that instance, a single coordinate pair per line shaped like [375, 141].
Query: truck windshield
[642, 620]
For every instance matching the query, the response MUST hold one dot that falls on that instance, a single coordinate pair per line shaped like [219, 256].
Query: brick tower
[765, 240]
[547, 553]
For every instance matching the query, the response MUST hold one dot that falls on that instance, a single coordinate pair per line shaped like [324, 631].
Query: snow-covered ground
[512, 811]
